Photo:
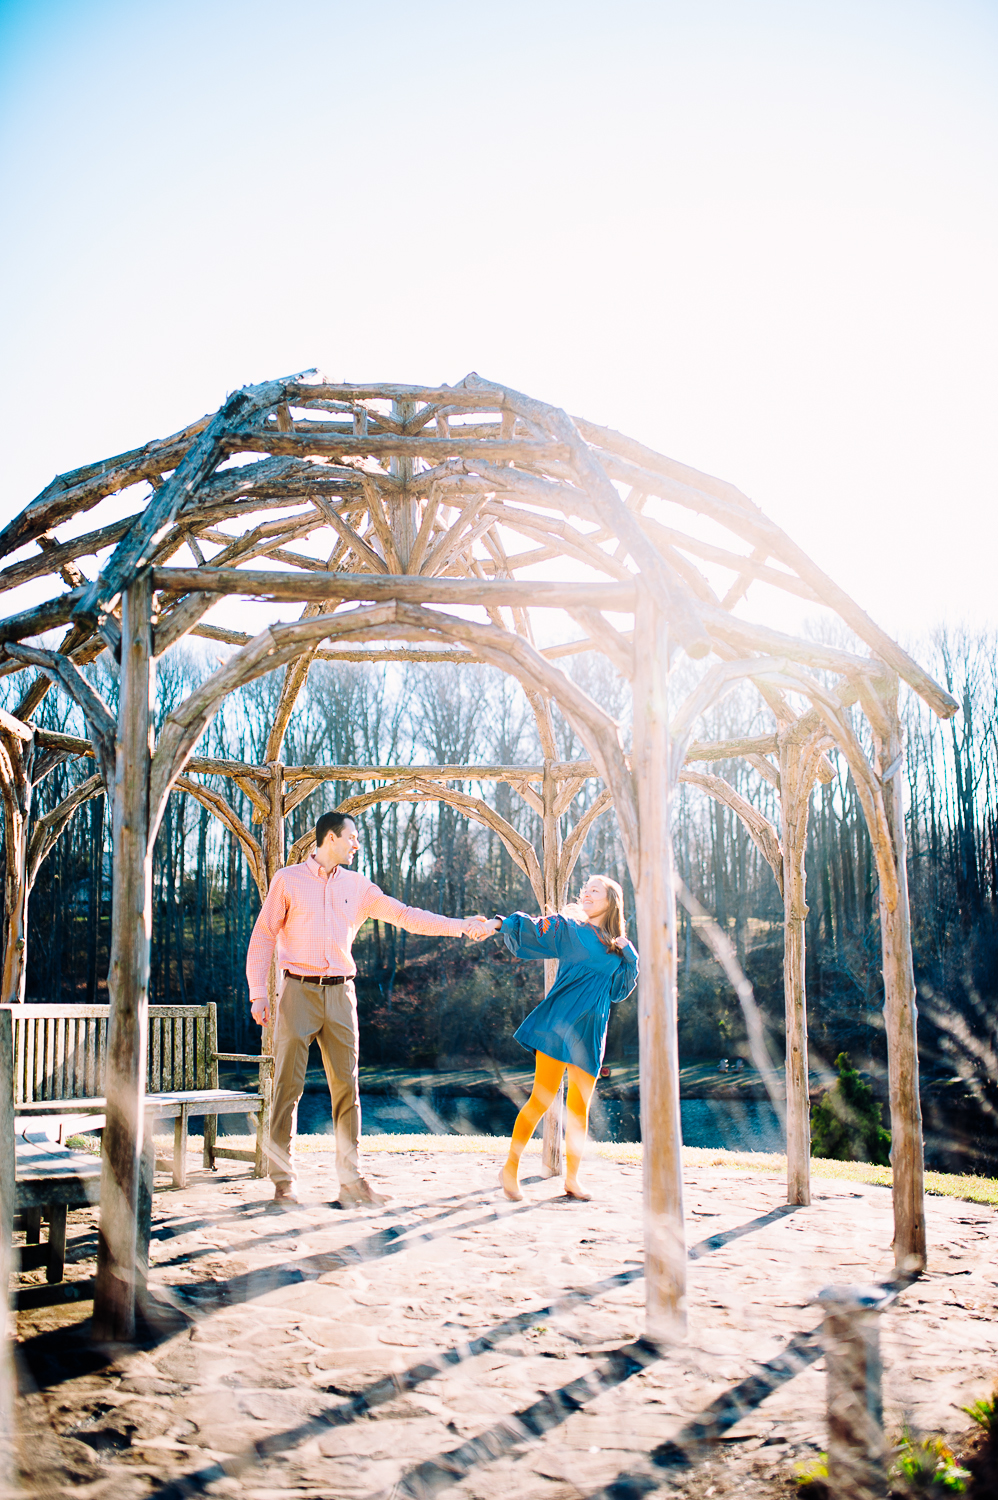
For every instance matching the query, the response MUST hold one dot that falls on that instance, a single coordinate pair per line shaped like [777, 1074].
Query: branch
[572, 847]
[135, 549]
[215, 803]
[521, 851]
[47, 829]
[99, 720]
[761, 831]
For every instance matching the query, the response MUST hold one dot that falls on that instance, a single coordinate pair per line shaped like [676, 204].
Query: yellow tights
[547, 1080]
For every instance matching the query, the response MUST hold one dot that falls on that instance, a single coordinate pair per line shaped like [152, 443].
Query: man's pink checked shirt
[313, 919]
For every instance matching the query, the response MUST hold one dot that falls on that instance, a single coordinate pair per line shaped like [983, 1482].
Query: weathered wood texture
[128, 977]
[901, 1014]
[654, 894]
[795, 795]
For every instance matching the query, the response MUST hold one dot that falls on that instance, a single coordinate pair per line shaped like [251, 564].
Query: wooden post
[128, 977]
[402, 518]
[552, 1147]
[795, 795]
[857, 1452]
[15, 788]
[901, 1015]
[655, 900]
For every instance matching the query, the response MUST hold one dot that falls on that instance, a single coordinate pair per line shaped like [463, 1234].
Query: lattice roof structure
[422, 519]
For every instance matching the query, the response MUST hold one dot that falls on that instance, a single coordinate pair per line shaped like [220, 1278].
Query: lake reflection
[728, 1124]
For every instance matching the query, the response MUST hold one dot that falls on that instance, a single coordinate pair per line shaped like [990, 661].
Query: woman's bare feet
[574, 1190]
[509, 1184]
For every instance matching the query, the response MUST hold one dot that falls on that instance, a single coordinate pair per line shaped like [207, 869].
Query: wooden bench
[60, 1054]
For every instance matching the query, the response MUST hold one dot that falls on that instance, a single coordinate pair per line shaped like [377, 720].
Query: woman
[596, 965]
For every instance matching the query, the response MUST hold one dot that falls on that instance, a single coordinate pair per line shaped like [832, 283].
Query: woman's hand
[477, 929]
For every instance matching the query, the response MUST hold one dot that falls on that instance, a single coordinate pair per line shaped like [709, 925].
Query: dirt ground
[454, 1344]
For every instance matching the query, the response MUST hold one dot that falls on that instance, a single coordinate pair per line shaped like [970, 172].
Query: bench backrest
[60, 1051]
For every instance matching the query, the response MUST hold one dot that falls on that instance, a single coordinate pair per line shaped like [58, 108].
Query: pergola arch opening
[430, 496]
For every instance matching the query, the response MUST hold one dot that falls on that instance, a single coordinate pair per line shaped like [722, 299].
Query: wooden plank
[7, 1208]
[20, 1038]
[47, 1081]
[155, 1053]
[59, 1090]
[201, 1044]
[79, 1057]
[180, 1149]
[190, 1080]
[56, 1258]
[28, 1297]
[30, 1062]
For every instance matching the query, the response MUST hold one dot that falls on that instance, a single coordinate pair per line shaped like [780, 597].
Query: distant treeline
[424, 1001]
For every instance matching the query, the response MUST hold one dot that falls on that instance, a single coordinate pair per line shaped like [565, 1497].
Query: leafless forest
[424, 1002]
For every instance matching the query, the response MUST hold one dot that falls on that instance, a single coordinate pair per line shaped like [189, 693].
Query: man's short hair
[331, 823]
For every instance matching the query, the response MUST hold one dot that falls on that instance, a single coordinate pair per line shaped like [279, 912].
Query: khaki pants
[328, 1014]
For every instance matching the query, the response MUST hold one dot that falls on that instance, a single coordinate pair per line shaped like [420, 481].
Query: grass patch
[941, 1184]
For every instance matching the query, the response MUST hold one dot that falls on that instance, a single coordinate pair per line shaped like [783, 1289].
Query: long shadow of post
[542, 1415]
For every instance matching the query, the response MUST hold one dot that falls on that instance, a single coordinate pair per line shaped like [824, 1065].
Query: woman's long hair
[611, 928]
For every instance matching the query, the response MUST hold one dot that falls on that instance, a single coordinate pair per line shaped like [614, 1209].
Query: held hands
[260, 1011]
[477, 929]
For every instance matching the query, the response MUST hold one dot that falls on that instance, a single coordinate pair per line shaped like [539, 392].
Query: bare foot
[509, 1184]
[573, 1190]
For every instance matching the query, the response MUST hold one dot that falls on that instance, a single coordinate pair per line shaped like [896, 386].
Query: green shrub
[985, 1413]
[846, 1123]
[928, 1466]
[812, 1478]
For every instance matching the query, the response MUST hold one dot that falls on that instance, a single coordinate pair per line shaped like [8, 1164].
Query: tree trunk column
[901, 1019]
[655, 899]
[17, 811]
[794, 799]
[552, 1162]
[273, 858]
[128, 978]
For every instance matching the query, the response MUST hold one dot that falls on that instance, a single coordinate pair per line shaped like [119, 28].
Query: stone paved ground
[455, 1344]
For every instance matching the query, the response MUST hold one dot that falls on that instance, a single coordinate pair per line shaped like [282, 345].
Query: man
[312, 913]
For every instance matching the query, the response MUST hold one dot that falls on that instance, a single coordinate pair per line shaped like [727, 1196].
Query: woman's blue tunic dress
[570, 1022]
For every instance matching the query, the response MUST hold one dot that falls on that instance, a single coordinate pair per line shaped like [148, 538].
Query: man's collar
[314, 868]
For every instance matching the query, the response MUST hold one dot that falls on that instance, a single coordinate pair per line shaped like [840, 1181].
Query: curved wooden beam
[573, 844]
[99, 720]
[761, 831]
[217, 805]
[521, 851]
[46, 830]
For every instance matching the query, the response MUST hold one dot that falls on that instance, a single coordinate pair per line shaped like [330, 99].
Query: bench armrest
[264, 1062]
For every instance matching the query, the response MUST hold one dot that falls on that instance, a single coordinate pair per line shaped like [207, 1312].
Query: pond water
[731, 1124]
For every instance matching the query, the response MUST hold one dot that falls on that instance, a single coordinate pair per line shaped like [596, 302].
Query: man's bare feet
[573, 1190]
[509, 1184]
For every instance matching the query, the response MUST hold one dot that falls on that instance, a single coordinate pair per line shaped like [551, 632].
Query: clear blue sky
[759, 236]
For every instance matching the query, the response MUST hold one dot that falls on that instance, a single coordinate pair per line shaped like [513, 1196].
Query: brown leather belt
[315, 978]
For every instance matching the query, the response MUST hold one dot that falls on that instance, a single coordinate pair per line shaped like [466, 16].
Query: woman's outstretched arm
[537, 937]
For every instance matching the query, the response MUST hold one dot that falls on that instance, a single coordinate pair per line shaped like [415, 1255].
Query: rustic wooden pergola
[423, 491]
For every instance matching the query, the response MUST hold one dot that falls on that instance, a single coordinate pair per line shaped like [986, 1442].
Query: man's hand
[476, 929]
[260, 1011]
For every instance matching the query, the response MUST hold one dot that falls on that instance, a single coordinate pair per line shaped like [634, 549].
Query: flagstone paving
[456, 1345]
